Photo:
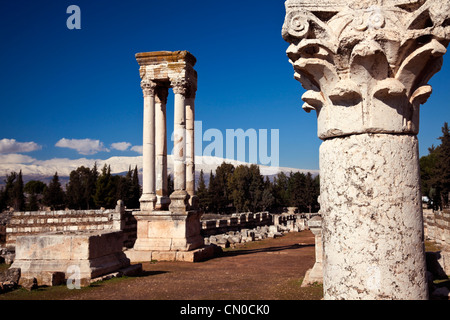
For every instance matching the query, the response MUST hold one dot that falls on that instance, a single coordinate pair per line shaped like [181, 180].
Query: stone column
[161, 148]
[148, 199]
[315, 275]
[365, 66]
[190, 144]
[179, 198]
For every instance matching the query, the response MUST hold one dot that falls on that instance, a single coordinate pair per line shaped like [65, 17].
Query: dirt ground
[271, 269]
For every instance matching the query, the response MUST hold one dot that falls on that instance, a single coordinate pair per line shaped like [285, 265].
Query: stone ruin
[366, 66]
[168, 226]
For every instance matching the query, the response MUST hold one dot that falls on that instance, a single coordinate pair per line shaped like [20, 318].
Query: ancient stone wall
[437, 226]
[30, 223]
[235, 223]
[437, 229]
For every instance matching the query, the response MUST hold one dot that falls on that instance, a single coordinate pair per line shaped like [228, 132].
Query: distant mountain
[44, 170]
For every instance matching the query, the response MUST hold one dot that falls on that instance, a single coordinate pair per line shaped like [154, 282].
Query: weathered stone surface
[45, 256]
[372, 218]
[160, 71]
[315, 274]
[9, 279]
[365, 66]
[162, 230]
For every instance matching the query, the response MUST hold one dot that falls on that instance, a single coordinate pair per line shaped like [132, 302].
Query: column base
[162, 203]
[179, 202]
[148, 202]
[167, 232]
[313, 275]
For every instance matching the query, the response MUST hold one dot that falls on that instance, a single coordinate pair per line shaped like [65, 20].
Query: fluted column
[148, 199]
[365, 66]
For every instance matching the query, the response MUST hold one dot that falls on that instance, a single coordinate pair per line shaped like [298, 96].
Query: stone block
[45, 256]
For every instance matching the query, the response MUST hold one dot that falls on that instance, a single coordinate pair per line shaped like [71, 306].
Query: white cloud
[83, 146]
[137, 149]
[12, 146]
[121, 146]
[14, 158]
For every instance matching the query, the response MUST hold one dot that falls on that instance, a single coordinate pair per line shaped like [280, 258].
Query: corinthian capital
[366, 63]
[180, 85]
[148, 87]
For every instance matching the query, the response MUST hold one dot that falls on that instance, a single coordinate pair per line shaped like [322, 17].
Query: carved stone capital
[180, 85]
[365, 64]
[148, 87]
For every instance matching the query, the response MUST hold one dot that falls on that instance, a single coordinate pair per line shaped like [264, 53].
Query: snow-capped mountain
[33, 169]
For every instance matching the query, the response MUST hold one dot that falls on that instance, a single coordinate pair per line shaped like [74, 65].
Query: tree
[311, 192]
[255, 188]
[123, 189]
[35, 186]
[435, 171]
[81, 187]
[104, 195]
[18, 198]
[280, 190]
[135, 192]
[35, 190]
[3, 200]
[268, 199]
[7, 192]
[202, 192]
[220, 188]
[443, 166]
[211, 204]
[54, 194]
[239, 185]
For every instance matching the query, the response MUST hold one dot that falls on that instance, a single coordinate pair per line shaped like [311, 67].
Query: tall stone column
[365, 66]
[148, 199]
[161, 148]
[179, 198]
[190, 144]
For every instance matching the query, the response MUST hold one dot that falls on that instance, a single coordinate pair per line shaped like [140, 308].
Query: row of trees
[86, 189]
[243, 188]
[435, 172]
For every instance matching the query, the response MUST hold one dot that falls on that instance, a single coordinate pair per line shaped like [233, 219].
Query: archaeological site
[365, 66]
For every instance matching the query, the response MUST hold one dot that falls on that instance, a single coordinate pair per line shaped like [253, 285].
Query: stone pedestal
[315, 274]
[365, 66]
[87, 254]
[166, 236]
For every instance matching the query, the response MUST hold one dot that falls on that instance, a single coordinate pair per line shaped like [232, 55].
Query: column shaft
[190, 146]
[179, 147]
[372, 218]
[161, 148]
[148, 198]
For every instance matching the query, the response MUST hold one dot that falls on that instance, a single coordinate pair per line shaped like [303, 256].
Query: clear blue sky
[84, 84]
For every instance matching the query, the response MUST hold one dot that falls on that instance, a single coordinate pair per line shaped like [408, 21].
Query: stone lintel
[160, 57]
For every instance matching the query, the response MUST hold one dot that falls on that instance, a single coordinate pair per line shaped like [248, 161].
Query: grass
[54, 293]
[4, 267]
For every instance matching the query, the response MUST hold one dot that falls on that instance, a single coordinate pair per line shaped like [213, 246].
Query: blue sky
[58, 83]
